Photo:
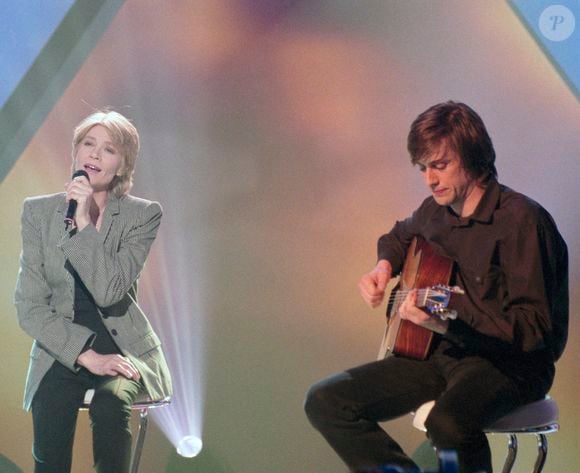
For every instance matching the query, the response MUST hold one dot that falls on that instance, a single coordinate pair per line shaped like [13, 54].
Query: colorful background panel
[274, 135]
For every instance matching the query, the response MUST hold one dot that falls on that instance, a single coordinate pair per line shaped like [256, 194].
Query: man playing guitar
[508, 259]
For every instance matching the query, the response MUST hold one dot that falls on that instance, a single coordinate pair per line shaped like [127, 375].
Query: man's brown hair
[461, 129]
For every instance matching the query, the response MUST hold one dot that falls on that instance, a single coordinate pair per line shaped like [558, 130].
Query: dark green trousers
[471, 392]
[55, 409]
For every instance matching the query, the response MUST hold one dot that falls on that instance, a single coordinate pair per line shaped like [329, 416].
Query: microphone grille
[79, 173]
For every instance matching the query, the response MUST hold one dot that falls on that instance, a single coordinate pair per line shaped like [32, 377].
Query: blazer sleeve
[55, 332]
[108, 273]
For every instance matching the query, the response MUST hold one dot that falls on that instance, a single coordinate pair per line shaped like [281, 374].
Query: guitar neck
[400, 295]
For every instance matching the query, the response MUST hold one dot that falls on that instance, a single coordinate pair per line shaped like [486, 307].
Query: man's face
[449, 182]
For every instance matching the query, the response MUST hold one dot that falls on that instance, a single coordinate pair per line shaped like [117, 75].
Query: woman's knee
[109, 408]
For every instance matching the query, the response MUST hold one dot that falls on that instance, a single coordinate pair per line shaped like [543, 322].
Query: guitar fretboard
[422, 296]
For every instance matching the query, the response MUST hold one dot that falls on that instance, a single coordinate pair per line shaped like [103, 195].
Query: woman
[76, 297]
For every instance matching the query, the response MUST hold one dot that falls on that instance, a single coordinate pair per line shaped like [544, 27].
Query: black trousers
[54, 414]
[470, 394]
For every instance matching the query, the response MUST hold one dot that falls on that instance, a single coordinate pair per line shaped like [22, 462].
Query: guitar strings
[400, 295]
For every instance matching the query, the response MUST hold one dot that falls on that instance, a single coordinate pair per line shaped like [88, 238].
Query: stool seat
[142, 403]
[542, 415]
[539, 415]
[143, 400]
[539, 418]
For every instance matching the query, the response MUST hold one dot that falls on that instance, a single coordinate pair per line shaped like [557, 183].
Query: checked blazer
[109, 263]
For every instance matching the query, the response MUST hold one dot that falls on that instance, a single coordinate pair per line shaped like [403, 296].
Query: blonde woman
[76, 296]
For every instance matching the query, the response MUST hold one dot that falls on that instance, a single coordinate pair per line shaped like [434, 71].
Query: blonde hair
[125, 138]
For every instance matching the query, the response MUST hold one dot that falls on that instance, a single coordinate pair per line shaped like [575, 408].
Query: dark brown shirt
[513, 265]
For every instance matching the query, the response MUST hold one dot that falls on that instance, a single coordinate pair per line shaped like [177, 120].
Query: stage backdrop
[274, 136]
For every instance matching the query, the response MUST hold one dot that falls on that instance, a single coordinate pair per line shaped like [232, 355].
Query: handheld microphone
[72, 204]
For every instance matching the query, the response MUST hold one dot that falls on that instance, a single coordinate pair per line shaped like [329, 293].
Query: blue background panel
[26, 27]
[555, 25]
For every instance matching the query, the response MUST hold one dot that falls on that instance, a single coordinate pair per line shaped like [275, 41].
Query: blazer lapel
[111, 212]
[62, 235]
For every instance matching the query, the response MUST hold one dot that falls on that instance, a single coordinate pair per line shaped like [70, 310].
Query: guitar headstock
[437, 299]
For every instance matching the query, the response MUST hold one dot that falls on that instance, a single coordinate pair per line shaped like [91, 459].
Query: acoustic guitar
[430, 273]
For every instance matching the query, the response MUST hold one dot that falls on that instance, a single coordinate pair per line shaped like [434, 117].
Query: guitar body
[422, 268]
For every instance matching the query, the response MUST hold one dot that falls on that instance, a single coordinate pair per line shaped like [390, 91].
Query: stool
[143, 403]
[538, 418]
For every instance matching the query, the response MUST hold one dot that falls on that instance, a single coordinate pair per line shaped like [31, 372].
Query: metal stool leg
[542, 453]
[136, 457]
[512, 454]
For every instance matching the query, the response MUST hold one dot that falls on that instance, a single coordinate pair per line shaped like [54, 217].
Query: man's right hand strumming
[373, 284]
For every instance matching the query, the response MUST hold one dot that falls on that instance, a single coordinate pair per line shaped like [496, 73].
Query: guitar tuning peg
[449, 289]
[445, 314]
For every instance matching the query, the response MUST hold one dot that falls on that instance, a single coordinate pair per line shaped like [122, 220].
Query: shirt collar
[484, 210]
[113, 204]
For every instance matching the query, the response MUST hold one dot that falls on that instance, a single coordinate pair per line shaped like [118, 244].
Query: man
[512, 321]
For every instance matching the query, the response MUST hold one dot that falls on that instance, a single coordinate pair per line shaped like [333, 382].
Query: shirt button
[478, 279]
[114, 332]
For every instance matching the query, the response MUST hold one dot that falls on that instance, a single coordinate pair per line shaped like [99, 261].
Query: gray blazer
[109, 262]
